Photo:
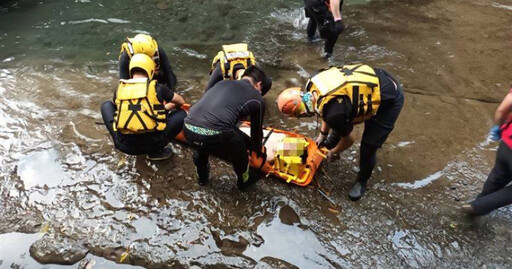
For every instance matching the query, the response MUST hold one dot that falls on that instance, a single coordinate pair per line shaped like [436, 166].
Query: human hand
[495, 133]
[320, 139]
[331, 156]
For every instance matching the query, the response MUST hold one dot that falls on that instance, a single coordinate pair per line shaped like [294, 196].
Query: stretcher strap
[268, 136]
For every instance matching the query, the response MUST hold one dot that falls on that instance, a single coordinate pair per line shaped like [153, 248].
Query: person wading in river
[326, 16]
[145, 44]
[211, 126]
[344, 96]
[138, 119]
[231, 62]
[495, 194]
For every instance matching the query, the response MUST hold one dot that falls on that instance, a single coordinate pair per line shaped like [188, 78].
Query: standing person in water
[345, 96]
[326, 16]
[495, 193]
[139, 118]
[145, 44]
[211, 126]
[230, 64]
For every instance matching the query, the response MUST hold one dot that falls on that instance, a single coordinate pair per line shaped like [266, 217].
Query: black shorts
[146, 143]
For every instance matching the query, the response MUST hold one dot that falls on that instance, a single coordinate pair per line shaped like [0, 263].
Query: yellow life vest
[358, 82]
[231, 55]
[138, 108]
[291, 155]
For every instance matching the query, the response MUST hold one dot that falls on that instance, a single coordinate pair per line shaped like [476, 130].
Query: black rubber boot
[254, 176]
[203, 177]
[314, 39]
[468, 209]
[358, 189]
[164, 154]
[203, 171]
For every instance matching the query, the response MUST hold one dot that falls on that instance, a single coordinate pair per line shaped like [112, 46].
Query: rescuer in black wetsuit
[345, 96]
[142, 43]
[326, 16]
[211, 126]
[230, 64]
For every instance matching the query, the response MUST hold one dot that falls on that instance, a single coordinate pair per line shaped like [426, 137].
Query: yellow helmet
[143, 62]
[142, 43]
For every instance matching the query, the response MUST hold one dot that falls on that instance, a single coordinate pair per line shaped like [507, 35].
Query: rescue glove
[339, 27]
[321, 139]
[495, 133]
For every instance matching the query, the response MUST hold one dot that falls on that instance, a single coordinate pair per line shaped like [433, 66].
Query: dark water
[72, 195]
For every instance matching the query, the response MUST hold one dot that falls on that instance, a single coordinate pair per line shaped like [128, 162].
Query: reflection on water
[40, 169]
[291, 243]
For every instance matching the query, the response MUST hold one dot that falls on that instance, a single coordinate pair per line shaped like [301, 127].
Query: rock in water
[60, 251]
[288, 216]
[162, 5]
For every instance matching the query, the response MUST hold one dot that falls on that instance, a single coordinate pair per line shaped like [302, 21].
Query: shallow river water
[67, 195]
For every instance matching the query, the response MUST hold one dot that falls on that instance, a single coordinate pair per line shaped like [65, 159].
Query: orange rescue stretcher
[297, 166]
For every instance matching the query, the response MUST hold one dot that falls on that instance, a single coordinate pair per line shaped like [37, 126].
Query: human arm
[165, 71]
[335, 6]
[324, 131]
[257, 108]
[124, 66]
[215, 77]
[168, 98]
[504, 109]
[345, 143]
[176, 102]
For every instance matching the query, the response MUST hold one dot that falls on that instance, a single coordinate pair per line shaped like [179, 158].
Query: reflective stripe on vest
[358, 82]
[231, 55]
[138, 108]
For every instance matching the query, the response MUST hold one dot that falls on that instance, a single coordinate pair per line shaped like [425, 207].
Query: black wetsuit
[320, 17]
[217, 75]
[165, 75]
[376, 129]
[495, 193]
[211, 125]
[146, 143]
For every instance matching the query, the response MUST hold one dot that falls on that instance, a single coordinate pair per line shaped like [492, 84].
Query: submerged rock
[60, 251]
[288, 216]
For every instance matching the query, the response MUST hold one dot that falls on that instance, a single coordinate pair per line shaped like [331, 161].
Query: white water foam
[420, 183]
[497, 5]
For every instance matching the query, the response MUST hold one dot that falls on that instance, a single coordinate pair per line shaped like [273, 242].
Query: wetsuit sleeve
[257, 114]
[215, 77]
[168, 76]
[124, 66]
[163, 93]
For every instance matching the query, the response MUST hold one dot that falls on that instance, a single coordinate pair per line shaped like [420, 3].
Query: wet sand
[63, 179]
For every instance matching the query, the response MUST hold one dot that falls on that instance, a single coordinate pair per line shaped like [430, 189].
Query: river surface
[66, 194]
